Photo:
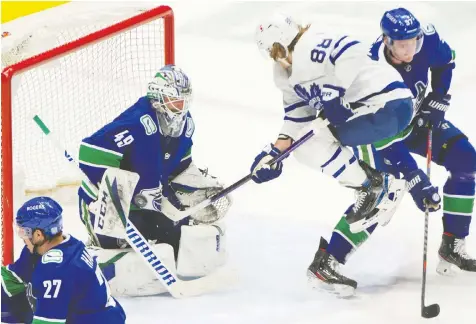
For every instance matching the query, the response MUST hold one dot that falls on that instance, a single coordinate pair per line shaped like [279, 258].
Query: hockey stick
[434, 309]
[176, 287]
[179, 214]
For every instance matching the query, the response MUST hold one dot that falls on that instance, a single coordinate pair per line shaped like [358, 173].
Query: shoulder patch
[149, 124]
[190, 127]
[52, 256]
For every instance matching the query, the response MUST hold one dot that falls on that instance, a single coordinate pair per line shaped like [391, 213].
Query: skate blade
[447, 269]
[339, 290]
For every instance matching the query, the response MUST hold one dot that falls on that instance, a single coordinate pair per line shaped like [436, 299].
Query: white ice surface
[274, 228]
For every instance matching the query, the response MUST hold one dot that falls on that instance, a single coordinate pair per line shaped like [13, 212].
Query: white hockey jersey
[339, 61]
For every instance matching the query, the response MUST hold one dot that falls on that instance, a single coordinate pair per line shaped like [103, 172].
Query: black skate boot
[453, 252]
[324, 273]
[367, 197]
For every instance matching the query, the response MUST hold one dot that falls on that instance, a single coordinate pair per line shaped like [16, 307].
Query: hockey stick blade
[430, 311]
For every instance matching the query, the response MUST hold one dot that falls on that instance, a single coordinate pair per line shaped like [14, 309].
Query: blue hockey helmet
[400, 24]
[39, 213]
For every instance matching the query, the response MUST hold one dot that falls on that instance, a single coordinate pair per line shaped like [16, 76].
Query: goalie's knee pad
[127, 273]
[202, 250]
[323, 152]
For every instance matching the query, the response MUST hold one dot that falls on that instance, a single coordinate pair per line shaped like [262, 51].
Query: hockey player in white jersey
[331, 76]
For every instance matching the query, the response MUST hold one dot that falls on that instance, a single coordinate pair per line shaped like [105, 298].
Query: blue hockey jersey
[65, 285]
[134, 142]
[435, 55]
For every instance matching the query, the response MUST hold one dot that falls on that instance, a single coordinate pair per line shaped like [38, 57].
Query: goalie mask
[170, 93]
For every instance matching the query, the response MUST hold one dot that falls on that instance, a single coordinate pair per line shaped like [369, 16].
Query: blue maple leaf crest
[312, 97]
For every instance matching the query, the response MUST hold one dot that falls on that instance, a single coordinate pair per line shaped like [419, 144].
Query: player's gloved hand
[433, 109]
[261, 171]
[423, 193]
[311, 97]
[336, 109]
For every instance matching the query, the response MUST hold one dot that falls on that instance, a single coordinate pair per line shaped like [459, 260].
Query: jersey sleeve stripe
[294, 106]
[45, 320]
[337, 44]
[100, 148]
[12, 284]
[96, 156]
[392, 86]
[334, 58]
[301, 119]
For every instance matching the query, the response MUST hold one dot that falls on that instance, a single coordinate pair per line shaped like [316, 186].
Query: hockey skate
[452, 254]
[324, 273]
[376, 201]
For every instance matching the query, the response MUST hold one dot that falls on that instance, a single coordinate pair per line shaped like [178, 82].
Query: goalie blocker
[193, 247]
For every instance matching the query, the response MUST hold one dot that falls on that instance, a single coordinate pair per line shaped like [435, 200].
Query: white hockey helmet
[170, 92]
[279, 29]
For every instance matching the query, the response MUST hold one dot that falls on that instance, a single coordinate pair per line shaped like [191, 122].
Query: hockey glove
[423, 193]
[336, 109]
[311, 97]
[261, 171]
[433, 109]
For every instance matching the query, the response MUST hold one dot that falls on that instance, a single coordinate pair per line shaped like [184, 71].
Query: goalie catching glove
[190, 188]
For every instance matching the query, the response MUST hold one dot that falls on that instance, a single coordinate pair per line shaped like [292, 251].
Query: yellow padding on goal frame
[15, 9]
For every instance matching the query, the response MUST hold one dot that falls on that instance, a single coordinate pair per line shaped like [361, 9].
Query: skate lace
[333, 264]
[360, 199]
[460, 248]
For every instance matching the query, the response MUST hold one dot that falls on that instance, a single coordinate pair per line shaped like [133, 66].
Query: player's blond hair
[277, 51]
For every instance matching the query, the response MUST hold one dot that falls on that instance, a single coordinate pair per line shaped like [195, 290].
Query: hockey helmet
[279, 29]
[41, 213]
[400, 24]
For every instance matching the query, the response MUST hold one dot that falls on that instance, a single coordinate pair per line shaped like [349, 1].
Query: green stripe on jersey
[44, 320]
[187, 155]
[380, 145]
[96, 155]
[11, 282]
[90, 190]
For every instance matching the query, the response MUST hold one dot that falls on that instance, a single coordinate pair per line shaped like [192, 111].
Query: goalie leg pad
[202, 250]
[128, 275]
[106, 220]
[323, 152]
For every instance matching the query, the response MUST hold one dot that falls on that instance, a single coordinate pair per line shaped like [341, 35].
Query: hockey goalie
[151, 142]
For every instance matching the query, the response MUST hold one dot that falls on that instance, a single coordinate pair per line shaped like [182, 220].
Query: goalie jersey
[65, 285]
[339, 61]
[134, 142]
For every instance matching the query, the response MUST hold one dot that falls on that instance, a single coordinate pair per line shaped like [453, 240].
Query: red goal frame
[161, 12]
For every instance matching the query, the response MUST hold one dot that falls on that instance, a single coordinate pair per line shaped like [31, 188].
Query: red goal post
[86, 79]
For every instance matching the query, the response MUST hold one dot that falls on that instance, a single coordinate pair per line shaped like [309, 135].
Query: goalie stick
[176, 287]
